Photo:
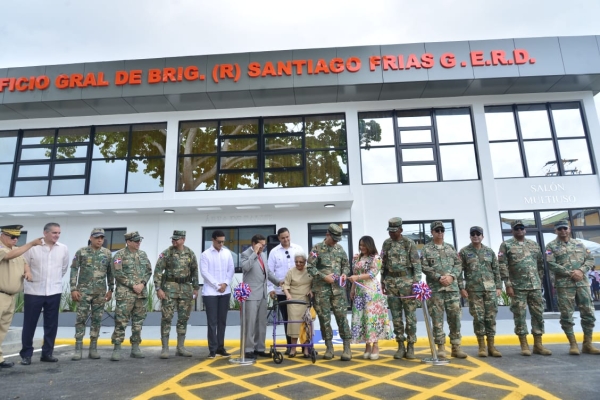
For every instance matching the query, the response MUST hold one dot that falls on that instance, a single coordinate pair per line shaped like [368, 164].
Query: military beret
[97, 232]
[178, 235]
[133, 236]
[335, 231]
[563, 223]
[394, 224]
[437, 224]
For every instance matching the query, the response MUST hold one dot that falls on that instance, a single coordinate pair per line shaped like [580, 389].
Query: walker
[277, 355]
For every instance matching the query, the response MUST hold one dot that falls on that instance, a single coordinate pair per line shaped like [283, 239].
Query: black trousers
[216, 318]
[32, 308]
[284, 316]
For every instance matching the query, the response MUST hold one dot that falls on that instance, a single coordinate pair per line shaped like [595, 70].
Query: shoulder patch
[500, 254]
[548, 251]
[314, 254]
[117, 261]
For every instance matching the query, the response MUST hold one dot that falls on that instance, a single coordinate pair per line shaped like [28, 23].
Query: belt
[179, 280]
[396, 274]
[8, 294]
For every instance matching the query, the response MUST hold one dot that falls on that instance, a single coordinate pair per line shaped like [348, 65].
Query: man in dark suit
[256, 273]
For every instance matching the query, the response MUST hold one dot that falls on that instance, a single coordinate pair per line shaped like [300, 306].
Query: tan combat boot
[457, 352]
[573, 350]
[116, 354]
[78, 350]
[401, 351]
[328, 350]
[93, 351]
[164, 353]
[181, 350]
[347, 354]
[410, 351]
[492, 351]
[482, 352]
[524, 345]
[588, 347]
[135, 351]
[441, 351]
[538, 347]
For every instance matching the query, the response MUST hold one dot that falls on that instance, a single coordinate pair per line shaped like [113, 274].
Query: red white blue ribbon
[421, 291]
[242, 292]
[341, 279]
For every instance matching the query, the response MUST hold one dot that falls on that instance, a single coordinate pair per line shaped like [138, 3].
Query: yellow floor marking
[225, 373]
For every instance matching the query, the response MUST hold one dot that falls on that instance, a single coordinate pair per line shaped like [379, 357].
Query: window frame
[434, 144]
[514, 108]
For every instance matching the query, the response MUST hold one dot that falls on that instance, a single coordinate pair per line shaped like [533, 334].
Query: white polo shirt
[216, 267]
[48, 266]
[280, 263]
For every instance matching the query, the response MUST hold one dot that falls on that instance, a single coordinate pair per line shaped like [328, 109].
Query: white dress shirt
[216, 267]
[48, 266]
[280, 263]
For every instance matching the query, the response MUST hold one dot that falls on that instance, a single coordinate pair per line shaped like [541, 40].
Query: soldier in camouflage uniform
[132, 270]
[176, 283]
[90, 271]
[326, 260]
[522, 270]
[401, 267]
[570, 262]
[482, 287]
[442, 268]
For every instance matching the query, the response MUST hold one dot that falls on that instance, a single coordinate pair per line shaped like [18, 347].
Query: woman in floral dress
[370, 321]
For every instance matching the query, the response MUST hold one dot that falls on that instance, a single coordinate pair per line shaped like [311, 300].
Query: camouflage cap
[516, 222]
[178, 235]
[97, 232]
[11, 230]
[476, 229]
[394, 224]
[563, 223]
[335, 231]
[133, 236]
[437, 224]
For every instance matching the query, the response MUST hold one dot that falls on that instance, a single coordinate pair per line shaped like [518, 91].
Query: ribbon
[242, 292]
[421, 291]
[340, 279]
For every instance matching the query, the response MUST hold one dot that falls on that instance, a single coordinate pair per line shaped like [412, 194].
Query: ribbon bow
[242, 292]
[421, 291]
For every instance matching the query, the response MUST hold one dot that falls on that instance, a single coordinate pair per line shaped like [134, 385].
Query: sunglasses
[562, 228]
[220, 241]
[288, 253]
[519, 229]
[439, 230]
[13, 237]
[475, 234]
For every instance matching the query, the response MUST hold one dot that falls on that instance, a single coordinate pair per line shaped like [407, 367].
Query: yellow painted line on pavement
[470, 371]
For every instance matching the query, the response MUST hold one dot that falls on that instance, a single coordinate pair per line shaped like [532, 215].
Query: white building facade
[471, 133]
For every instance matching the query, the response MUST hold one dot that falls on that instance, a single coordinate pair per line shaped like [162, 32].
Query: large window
[417, 146]
[255, 153]
[114, 239]
[538, 140]
[539, 225]
[83, 160]
[420, 232]
[237, 239]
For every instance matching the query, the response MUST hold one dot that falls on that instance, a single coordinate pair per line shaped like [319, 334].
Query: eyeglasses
[475, 234]
[288, 253]
[562, 228]
[13, 237]
[439, 230]
[522, 228]
[219, 241]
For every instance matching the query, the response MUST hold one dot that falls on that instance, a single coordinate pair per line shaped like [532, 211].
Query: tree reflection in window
[262, 153]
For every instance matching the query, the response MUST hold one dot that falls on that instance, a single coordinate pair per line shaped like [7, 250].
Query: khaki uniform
[11, 283]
